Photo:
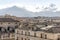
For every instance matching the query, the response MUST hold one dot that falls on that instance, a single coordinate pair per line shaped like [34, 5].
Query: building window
[46, 25]
[28, 39]
[41, 35]
[13, 35]
[28, 33]
[45, 36]
[21, 32]
[8, 23]
[9, 35]
[17, 38]
[25, 33]
[25, 39]
[16, 26]
[34, 34]
[21, 38]
[1, 23]
[0, 36]
[58, 39]
[16, 23]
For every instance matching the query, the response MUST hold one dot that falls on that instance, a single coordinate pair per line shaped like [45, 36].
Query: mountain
[48, 14]
[17, 11]
[21, 12]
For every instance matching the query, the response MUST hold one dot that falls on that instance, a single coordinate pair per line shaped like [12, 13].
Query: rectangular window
[41, 35]
[13, 35]
[0, 36]
[28, 33]
[21, 32]
[8, 35]
[28, 39]
[34, 34]
[17, 38]
[16, 23]
[45, 36]
[21, 38]
[58, 37]
[1, 23]
[25, 33]
[25, 39]
[8, 23]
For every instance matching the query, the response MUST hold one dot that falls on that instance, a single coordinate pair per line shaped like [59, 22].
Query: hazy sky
[29, 4]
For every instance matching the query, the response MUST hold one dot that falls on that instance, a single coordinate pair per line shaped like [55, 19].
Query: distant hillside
[25, 13]
[16, 11]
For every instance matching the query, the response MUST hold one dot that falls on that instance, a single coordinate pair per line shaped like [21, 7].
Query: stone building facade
[50, 34]
[7, 28]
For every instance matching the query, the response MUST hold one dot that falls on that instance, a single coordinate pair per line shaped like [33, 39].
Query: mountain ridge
[21, 12]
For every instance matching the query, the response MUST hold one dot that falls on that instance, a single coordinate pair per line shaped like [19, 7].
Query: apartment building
[47, 33]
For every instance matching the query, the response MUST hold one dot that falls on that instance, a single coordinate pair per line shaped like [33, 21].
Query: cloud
[51, 7]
